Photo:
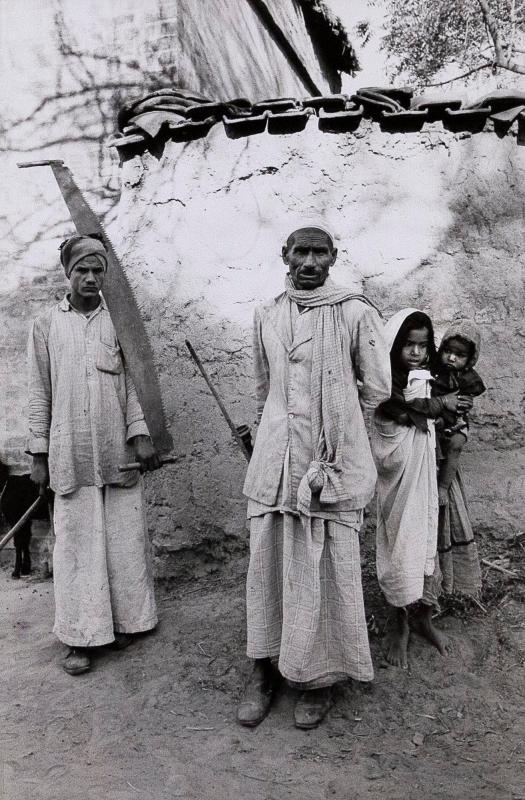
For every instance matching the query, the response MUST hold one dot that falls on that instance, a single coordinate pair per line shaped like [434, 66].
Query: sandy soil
[158, 720]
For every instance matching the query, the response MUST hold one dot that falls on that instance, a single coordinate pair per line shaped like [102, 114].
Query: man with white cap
[319, 358]
[85, 420]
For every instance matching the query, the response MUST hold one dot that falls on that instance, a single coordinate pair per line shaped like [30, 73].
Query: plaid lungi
[305, 599]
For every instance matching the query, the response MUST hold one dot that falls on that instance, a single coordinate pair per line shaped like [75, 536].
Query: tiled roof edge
[171, 114]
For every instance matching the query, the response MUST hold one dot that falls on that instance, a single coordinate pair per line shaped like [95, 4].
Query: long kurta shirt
[83, 407]
[283, 344]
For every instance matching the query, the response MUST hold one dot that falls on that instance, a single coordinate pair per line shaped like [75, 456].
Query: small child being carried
[454, 372]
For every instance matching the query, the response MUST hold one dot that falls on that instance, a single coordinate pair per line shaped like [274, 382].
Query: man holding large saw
[84, 421]
[319, 356]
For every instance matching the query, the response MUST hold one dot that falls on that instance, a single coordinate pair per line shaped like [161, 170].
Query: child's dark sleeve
[395, 408]
[471, 383]
[440, 386]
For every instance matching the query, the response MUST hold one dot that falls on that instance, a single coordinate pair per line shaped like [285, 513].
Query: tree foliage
[426, 37]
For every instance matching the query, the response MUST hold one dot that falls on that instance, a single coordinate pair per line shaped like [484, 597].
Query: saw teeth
[133, 338]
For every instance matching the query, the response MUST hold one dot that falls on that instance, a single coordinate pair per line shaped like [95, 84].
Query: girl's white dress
[407, 499]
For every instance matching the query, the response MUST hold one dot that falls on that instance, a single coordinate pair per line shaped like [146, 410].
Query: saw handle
[136, 465]
[48, 163]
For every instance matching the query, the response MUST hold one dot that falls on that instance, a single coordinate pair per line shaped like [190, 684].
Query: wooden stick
[46, 163]
[221, 405]
[499, 569]
[136, 465]
[21, 522]
[479, 605]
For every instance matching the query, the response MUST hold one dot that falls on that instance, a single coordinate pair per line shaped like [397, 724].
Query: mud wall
[431, 220]
[52, 63]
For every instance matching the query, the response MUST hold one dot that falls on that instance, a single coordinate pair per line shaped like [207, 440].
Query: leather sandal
[76, 662]
[258, 696]
[312, 707]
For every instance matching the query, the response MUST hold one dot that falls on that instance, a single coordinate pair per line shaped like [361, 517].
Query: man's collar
[65, 304]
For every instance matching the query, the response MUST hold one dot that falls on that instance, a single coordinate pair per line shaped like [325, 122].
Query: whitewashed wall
[429, 219]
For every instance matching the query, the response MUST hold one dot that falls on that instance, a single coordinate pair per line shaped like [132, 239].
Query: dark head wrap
[397, 329]
[79, 246]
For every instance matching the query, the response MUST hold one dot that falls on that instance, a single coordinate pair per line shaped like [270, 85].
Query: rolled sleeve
[371, 359]
[261, 366]
[137, 429]
[39, 388]
[135, 422]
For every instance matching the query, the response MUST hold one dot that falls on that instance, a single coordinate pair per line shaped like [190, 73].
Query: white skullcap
[299, 223]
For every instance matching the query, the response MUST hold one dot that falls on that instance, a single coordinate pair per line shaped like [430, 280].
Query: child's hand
[450, 401]
[442, 496]
[457, 403]
[465, 403]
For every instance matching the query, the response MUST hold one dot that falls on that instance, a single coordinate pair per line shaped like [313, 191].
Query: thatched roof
[327, 30]
[311, 37]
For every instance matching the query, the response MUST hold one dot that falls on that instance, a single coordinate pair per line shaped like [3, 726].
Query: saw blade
[125, 313]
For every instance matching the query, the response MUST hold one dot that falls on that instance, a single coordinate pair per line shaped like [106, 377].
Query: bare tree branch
[500, 60]
[103, 86]
[486, 65]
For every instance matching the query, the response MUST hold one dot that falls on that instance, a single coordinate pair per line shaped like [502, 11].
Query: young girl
[403, 443]
[458, 553]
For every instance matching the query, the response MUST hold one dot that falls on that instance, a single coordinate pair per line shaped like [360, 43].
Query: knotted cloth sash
[325, 473]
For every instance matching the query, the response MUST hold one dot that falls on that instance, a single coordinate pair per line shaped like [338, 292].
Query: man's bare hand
[40, 472]
[146, 454]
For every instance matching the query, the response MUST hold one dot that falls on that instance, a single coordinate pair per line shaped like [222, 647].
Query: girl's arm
[429, 406]
[404, 413]
[433, 406]
[395, 408]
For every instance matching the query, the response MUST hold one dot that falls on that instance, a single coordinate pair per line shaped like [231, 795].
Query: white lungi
[101, 567]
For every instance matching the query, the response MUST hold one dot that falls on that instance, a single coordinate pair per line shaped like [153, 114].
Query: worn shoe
[258, 696]
[122, 640]
[312, 707]
[76, 662]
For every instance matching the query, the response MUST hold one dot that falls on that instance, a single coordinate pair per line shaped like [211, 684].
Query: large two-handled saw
[123, 307]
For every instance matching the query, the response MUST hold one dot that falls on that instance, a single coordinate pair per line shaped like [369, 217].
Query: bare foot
[421, 622]
[396, 638]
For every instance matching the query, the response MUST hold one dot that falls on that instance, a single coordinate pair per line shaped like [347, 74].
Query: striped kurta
[83, 410]
[83, 407]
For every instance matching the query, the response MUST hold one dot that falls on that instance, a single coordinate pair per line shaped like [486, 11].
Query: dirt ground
[158, 720]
